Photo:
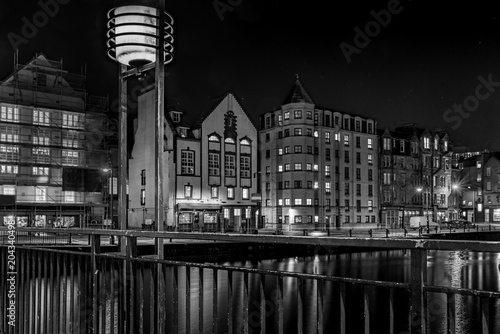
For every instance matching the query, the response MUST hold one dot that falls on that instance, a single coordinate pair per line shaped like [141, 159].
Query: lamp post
[425, 192]
[110, 193]
[138, 37]
[141, 37]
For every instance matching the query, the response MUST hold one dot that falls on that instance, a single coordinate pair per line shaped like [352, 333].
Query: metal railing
[63, 291]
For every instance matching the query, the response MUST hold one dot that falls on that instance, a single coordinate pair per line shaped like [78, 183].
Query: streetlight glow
[132, 39]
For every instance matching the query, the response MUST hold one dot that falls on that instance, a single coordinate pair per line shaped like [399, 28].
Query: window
[327, 204]
[346, 123]
[280, 151]
[214, 138]
[387, 144]
[358, 208]
[358, 173]
[9, 169]
[41, 117]
[297, 131]
[370, 190]
[287, 201]
[346, 156]
[327, 170]
[40, 194]
[40, 170]
[69, 139]
[478, 179]
[280, 120]
[287, 115]
[346, 140]
[287, 184]
[346, 205]
[297, 114]
[327, 154]
[308, 166]
[71, 120]
[370, 205]
[414, 147]
[287, 149]
[370, 128]
[9, 114]
[328, 187]
[298, 220]
[358, 142]
[316, 119]
[213, 164]
[280, 168]
[69, 157]
[309, 132]
[187, 162]
[310, 184]
[298, 201]
[297, 166]
[9, 133]
[214, 192]
[358, 126]
[245, 169]
[309, 114]
[387, 178]
[370, 175]
[143, 177]
[268, 169]
[358, 189]
[230, 165]
[358, 157]
[230, 193]
[297, 149]
[369, 143]
[287, 133]
[309, 201]
[427, 143]
[316, 167]
[346, 188]
[9, 190]
[188, 191]
[287, 167]
[41, 155]
[346, 172]
[478, 164]
[327, 137]
[143, 196]
[402, 146]
[316, 134]
[280, 201]
[297, 184]
[370, 159]
[245, 193]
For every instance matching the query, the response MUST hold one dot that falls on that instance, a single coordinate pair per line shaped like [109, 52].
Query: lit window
[287, 115]
[214, 192]
[41, 117]
[230, 165]
[213, 164]
[308, 166]
[40, 171]
[9, 114]
[370, 143]
[297, 114]
[9, 133]
[230, 193]
[214, 138]
[327, 187]
[280, 202]
[143, 196]
[8, 169]
[69, 157]
[280, 168]
[40, 194]
[327, 170]
[9, 190]
[370, 159]
[327, 137]
[287, 201]
[69, 196]
[298, 201]
[245, 170]
[71, 120]
[346, 140]
[427, 143]
[188, 191]
[316, 167]
[280, 151]
[298, 166]
[245, 193]
[287, 167]
[309, 201]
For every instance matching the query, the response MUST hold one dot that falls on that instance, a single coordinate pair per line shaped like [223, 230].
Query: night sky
[412, 67]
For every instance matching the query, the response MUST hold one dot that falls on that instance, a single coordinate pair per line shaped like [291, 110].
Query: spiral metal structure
[132, 37]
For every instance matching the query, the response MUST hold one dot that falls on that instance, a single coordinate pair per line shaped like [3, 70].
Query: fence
[63, 291]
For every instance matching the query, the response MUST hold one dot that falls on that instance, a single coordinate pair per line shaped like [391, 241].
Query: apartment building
[52, 147]
[318, 166]
[416, 175]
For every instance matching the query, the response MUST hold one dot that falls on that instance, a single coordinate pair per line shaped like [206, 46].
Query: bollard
[436, 228]
[387, 233]
[304, 232]
[350, 232]
[405, 231]
[370, 232]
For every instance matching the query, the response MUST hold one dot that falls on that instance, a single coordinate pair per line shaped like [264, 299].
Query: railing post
[95, 248]
[417, 282]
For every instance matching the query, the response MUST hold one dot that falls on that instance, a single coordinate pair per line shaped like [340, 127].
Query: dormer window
[183, 132]
[176, 116]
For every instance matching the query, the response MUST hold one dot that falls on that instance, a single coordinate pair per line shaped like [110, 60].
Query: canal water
[460, 269]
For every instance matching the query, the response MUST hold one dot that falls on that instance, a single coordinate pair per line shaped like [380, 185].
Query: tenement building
[416, 175]
[210, 173]
[318, 166]
[52, 147]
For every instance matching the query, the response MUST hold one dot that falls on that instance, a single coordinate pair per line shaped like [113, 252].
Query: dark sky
[427, 57]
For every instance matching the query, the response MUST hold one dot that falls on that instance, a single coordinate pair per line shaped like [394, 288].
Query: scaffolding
[48, 124]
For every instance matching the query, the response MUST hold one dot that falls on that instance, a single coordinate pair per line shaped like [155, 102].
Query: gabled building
[52, 147]
[415, 175]
[209, 175]
[318, 166]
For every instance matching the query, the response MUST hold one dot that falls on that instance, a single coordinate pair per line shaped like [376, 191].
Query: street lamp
[420, 189]
[138, 36]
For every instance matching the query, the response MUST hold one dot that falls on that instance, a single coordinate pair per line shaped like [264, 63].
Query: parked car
[460, 224]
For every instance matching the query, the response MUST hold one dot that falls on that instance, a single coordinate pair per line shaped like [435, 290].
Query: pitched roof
[297, 94]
